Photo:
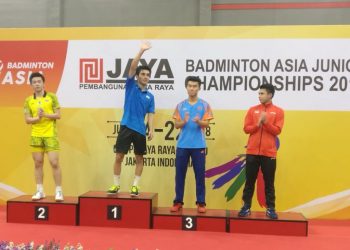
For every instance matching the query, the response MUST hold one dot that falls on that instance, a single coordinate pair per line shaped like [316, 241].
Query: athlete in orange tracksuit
[263, 123]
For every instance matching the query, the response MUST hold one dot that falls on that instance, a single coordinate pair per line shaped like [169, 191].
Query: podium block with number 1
[120, 210]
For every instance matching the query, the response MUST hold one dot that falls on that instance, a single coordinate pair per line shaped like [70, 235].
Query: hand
[196, 119]
[40, 113]
[150, 135]
[145, 46]
[262, 118]
[187, 117]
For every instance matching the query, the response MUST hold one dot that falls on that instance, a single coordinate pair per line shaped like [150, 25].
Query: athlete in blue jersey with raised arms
[138, 103]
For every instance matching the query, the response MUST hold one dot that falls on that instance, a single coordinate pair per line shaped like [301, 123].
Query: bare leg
[118, 163]
[56, 170]
[38, 158]
[139, 165]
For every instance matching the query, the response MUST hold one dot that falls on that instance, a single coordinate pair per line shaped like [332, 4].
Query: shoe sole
[59, 200]
[174, 211]
[245, 215]
[134, 195]
[33, 199]
[271, 217]
[108, 193]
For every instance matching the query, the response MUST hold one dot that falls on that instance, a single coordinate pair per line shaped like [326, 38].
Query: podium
[97, 208]
[190, 220]
[293, 224]
[45, 211]
[120, 210]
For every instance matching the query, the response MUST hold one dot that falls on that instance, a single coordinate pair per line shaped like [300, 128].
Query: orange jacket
[262, 139]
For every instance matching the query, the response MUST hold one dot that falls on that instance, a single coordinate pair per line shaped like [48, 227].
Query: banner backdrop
[87, 72]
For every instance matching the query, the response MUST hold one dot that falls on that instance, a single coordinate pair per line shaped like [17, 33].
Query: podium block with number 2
[45, 211]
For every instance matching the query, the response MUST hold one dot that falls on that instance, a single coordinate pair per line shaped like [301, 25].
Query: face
[264, 96]
[192, 88]
[37, 84]
[143, 77]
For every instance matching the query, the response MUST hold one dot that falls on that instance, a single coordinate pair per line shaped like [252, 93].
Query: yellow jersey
[49, 104]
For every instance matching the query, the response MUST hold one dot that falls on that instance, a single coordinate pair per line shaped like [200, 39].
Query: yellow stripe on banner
[222, 32]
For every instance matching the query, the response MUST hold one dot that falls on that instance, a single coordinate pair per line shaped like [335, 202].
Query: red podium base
[45, 211]
[120, 210]
[293, 224]
[189, 219]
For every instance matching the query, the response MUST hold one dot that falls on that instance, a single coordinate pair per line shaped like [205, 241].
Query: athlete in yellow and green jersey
[41, 110]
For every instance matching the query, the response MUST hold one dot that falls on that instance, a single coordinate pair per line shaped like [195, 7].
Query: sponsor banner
[231, 72]
[93, 72]
[18, 59]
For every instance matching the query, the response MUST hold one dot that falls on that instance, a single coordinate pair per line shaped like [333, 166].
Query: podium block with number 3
[190, 220]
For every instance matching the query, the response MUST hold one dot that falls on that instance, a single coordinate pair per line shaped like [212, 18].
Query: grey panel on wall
[29, 13]
[282, 17]
[95, 13]
[130, 13]
[273, 1]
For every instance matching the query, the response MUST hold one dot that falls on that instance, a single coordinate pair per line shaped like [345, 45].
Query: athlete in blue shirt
[192, 116]
[138, 103]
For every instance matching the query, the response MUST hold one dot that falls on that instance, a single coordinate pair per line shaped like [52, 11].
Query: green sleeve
[26, 108]
[55, 103]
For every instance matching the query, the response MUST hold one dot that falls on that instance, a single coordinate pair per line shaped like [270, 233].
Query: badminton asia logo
[93, 76]
[234, 171]
[18, 72]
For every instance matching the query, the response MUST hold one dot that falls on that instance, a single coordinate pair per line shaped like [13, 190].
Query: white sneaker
[38, 195]
[59, 196]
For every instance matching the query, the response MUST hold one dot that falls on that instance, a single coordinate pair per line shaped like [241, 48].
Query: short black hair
[142, 67]
[36, 74]
[192, 79]
[270, 89]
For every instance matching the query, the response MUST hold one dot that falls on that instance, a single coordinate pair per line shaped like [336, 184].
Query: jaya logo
[234, 171]
[93, 76]
[91, 70]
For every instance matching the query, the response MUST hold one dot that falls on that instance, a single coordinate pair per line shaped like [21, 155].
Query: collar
[34, 95]
[188, 101]
[142, 90]
[266, 105]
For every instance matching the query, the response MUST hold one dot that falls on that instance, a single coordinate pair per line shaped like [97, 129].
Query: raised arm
[144, 46]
